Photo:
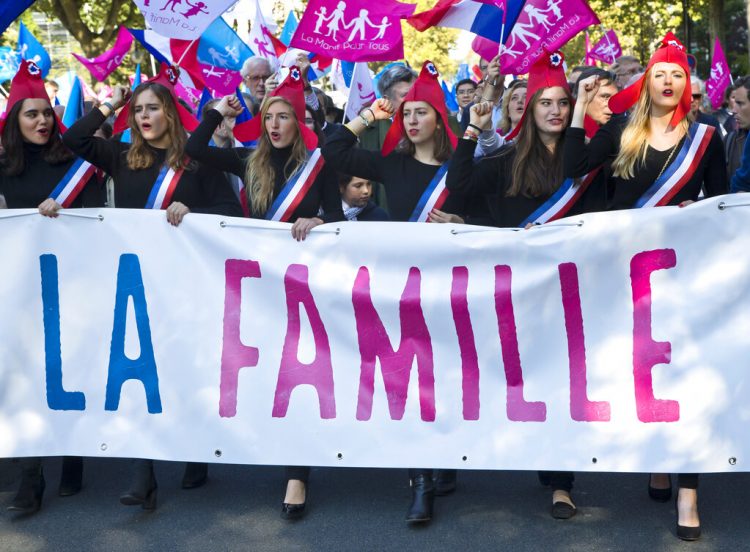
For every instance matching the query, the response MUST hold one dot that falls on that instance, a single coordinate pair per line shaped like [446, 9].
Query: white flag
[183, 19]
[361, 92]
[259, 38]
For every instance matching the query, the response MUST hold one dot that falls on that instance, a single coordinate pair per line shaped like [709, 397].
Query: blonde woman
[658, 156]
[286, 154]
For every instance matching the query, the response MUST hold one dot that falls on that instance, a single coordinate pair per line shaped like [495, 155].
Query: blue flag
[463, 72]
[289, 27]
[136, 77]
[8, 63]
[10, 10]
[205, 98]
[31, 49]
[347, 69]
[74, 108]
[220, 46]
[450, 97]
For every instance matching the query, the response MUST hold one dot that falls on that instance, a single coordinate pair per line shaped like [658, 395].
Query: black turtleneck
[324, 191]
[202, 189]
[37, 180]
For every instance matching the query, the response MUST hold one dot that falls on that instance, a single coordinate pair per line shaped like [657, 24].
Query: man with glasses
[255, 71]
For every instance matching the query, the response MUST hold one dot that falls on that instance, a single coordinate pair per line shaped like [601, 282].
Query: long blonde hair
[140, 156]
[260, 176]
[634, 139]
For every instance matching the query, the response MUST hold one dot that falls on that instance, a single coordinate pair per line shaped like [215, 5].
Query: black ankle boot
[143, 487]
[445, 482]
[422, 498]
[195, 475]
[71, 476]
[28, 499]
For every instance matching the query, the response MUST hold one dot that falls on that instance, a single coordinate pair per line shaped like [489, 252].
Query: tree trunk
[715, 27]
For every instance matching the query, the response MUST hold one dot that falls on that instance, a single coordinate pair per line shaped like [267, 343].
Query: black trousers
[298, 472]
[559, 481]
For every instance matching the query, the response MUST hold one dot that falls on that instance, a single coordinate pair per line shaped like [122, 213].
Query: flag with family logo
[262, 40]
[8, 63]
[183, 19]
[31, 49]
[220, 46]
[607, 49]
[720, 76]
[102, 66]
[353, 30]
[361, 91]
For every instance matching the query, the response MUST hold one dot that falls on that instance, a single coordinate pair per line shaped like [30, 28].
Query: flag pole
[179, 61]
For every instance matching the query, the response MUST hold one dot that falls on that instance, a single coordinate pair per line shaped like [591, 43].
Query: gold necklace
[666, 164]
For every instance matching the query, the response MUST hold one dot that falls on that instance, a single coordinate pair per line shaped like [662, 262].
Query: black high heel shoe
[28, 499]
[660, 495]
[293, 512]
[683, 531]
[71, 477]
[422, 499]
[445, 482]
[143, 488]
[196, 474]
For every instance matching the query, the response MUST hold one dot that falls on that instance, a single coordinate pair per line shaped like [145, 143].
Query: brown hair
[140, 156]
[260, 176]
[443, 149]
[13, 162]
[536, 171]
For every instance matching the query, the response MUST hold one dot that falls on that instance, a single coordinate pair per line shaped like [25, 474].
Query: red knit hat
[671, 50]
[546, 72]
[27, 84]
[167, 77]
[292, 90]
[425, 89]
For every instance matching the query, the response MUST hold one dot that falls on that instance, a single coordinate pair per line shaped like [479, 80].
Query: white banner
[185, 20]
[610, 342]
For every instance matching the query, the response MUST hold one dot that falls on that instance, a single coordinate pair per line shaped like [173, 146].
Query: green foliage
[434, 44]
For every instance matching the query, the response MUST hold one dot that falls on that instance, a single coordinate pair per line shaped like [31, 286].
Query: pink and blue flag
[220, 46]
[182, 19]
[102, 66]
[720, 76]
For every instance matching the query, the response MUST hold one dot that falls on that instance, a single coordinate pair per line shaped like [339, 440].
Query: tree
[434, 44]
[93, 24]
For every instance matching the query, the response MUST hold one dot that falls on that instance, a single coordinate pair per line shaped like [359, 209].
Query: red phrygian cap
[293, 91]
[27, 84]
[425, 89]
[671, 50]
[167, 77]
[546, 72]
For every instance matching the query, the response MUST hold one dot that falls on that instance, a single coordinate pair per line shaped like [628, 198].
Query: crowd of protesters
[516, 153]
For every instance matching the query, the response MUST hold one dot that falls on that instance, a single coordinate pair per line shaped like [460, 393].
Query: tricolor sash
[295, 189]
[72, 182]
[164, 187]
[558, 205]
[681, 170]
[433, 197]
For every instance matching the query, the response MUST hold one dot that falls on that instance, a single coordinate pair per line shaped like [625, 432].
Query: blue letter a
[121, 368]
[57, 397]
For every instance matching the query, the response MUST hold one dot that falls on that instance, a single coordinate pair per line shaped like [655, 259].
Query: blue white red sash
[681, 170]
[73, 182]
[562, 200]
[433, 197]
[164, 187]
[294, 190]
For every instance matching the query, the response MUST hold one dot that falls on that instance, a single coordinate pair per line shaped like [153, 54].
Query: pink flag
[543, 25]
[608, 48]
[720, 76]
[353, 30]
[101, 67]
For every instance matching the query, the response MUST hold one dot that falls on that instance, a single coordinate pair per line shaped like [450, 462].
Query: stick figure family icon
[531, 21]
[336, 21]
[193, 9]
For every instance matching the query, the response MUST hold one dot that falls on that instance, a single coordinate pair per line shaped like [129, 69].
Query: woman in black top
[284, 158]
[658, 157]
[412, 167]
[523, 184]
[142, 172]
[33, 165]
